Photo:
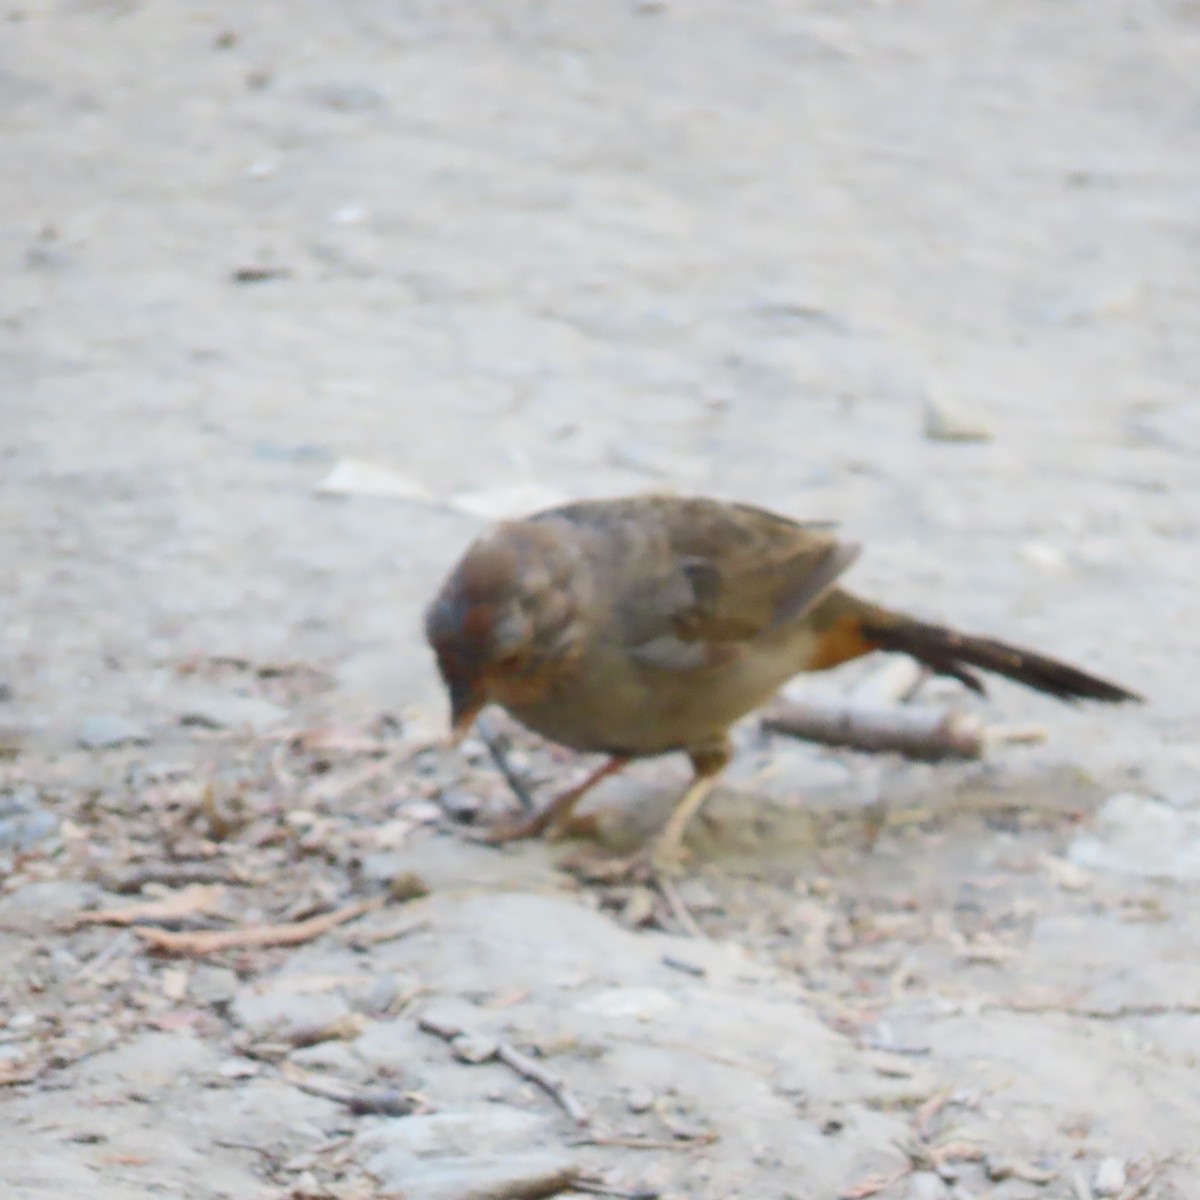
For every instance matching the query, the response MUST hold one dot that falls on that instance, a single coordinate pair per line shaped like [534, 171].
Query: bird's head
[507, 620]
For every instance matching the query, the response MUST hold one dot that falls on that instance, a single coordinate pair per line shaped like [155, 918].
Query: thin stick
[522, 1064]
[496, 750]
[550, 1084]
[210, 941]
[384, 1102]
[679, 910]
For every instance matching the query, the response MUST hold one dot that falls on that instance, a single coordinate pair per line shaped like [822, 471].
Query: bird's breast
[615, 703]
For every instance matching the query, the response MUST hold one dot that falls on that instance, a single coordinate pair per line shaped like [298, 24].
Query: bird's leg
[666, 850]
[556, 813]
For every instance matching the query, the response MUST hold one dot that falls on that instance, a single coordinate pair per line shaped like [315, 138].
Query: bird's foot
[514, 829]
[536, 824]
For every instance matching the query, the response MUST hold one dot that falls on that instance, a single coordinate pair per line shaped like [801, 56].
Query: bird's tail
[947, 652]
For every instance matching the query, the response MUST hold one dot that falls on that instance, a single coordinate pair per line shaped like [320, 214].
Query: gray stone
[393, 1046]
[538, 1173]
[105, 731]
[466, 1155]
[44, 904]
[213, 985]
[948, 421]
[484, 1131]
[1109, 1179]
[925, 1185]
[282, 1014]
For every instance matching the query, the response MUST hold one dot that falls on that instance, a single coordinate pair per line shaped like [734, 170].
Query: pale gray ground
[600, 247]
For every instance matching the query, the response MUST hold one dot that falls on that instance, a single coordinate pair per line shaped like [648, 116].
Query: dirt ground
[294, 297]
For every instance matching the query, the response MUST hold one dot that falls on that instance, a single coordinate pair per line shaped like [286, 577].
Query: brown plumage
[646, 625]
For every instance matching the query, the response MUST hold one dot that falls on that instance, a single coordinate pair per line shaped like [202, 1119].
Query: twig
[210, 941]
[384, 1102]
[494, 748]
[921, 732]
[681, 964]
[522, 1064]
[679, 910]
[551, 1084]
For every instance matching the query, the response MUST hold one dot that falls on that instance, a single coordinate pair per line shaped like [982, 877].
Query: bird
[646, 625]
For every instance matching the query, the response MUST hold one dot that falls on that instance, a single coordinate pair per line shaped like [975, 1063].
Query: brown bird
[641, 626]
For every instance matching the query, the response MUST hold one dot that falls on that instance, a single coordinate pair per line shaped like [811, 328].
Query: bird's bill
[466, 703]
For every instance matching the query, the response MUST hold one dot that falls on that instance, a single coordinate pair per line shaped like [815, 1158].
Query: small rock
[284, 1015]
[946, 421]
[1109, 1179]
[459, 805]
[46, 903]
[639, 1100]
[383, 993]
[212, 985]
[999, 1168]
[104, 731]
[925, 1185]
[24, 822]
[540, 1173]
[486, 1131]
[232, 712]
[408, 885]
[480, 1155]
[239, 1068]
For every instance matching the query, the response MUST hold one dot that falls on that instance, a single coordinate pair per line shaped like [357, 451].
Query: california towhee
[646, 625]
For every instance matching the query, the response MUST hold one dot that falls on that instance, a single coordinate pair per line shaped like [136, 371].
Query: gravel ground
[297, 296]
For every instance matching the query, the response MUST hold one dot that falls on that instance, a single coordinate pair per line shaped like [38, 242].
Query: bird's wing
[712, 574]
